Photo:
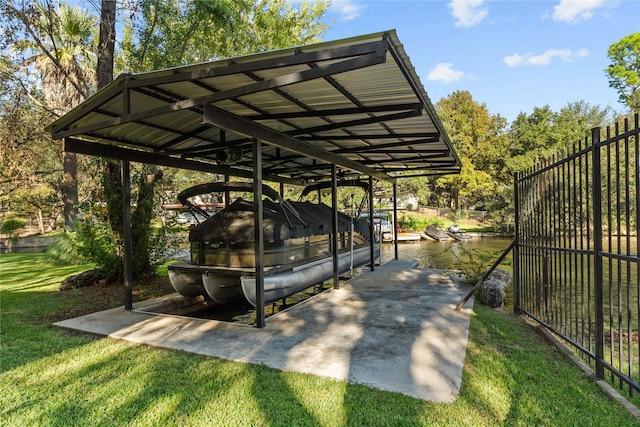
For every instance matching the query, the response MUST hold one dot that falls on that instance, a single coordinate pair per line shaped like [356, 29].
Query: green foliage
[437, 221]
[65, 250]
[180, 32]
[416, 223]
[501, 209]
[459, 214]
[409, 222]
[481, 142]
[544, 133]
[473, 262]
[469, 187]
[30, 161]
[62, 48]
[97, 244]
[10, 226]
[624, 70]
[417, 187]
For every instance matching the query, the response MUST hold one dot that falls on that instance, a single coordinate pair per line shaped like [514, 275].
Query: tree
[106, 43]
[470, 186]
[172, 33]
[544, 132]
[257, 26]
[576, 119]
[30, 165]
[482, 144]
[60, 45]
[532, 137]
[624, 70]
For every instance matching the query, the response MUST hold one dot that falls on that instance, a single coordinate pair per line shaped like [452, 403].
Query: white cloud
[565, 55]
[468, 12]
[348, 10]
[444, 73]
[574, 11]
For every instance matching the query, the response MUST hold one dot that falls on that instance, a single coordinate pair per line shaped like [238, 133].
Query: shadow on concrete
[394, 329]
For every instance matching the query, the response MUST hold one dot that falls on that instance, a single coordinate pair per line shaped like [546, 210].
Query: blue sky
[510, 55]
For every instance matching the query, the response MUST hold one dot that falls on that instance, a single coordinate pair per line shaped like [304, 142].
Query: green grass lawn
[49, 377]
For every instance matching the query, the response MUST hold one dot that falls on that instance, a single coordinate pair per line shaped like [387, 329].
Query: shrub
[473, 262]
[437, 221]
[408, 222]
[97, 244]
[11, 226]
[65, 250]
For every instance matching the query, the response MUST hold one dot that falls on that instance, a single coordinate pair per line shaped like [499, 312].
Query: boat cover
[234, 224]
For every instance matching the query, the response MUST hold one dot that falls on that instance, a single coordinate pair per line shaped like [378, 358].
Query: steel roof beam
[73, 145]
[399, 144]
[225, 120]
[429, 153]
[427, 135]
[408, 162]
[335, 112]
[369, 120]
[204, 150]
[367, 60]
[438, 172]
[443, 166]
[297, 58]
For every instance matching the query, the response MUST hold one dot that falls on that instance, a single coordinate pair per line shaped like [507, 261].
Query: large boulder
[492, 291]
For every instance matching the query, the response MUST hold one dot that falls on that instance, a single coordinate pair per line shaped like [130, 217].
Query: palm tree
[62, 44]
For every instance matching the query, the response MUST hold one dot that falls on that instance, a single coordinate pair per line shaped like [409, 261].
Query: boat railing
[223, 186]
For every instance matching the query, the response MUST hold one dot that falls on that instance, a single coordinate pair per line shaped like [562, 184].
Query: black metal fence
[576, 258]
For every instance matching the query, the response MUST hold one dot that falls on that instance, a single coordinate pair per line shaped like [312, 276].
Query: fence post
[597, 249]
[516, 249]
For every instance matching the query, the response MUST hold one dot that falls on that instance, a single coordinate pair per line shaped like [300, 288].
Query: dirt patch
[90, 299]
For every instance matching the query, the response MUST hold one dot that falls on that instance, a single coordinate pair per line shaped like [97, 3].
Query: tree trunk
[106, 45]
[70, 188]
[140, 221]
[40, 221]
[112, 185]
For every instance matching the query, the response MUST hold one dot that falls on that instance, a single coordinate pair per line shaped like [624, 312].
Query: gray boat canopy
[356, 103]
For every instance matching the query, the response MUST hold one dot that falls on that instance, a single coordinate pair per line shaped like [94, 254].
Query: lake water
[445, 255]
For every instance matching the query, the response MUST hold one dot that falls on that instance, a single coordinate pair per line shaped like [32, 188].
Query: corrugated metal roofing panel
[314, 97]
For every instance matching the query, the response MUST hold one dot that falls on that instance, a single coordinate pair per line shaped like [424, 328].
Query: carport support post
[372, 242]
[128, 246]
[395, 219]
[259, 232]
[334, 225]
[226, 193]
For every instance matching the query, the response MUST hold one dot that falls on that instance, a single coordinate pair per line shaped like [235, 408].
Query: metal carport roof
[356, 103]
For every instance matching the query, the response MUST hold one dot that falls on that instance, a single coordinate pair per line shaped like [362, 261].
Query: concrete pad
[395, 329]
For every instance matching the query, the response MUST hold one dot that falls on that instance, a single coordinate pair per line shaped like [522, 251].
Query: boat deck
[394, 329]
[409, 237]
